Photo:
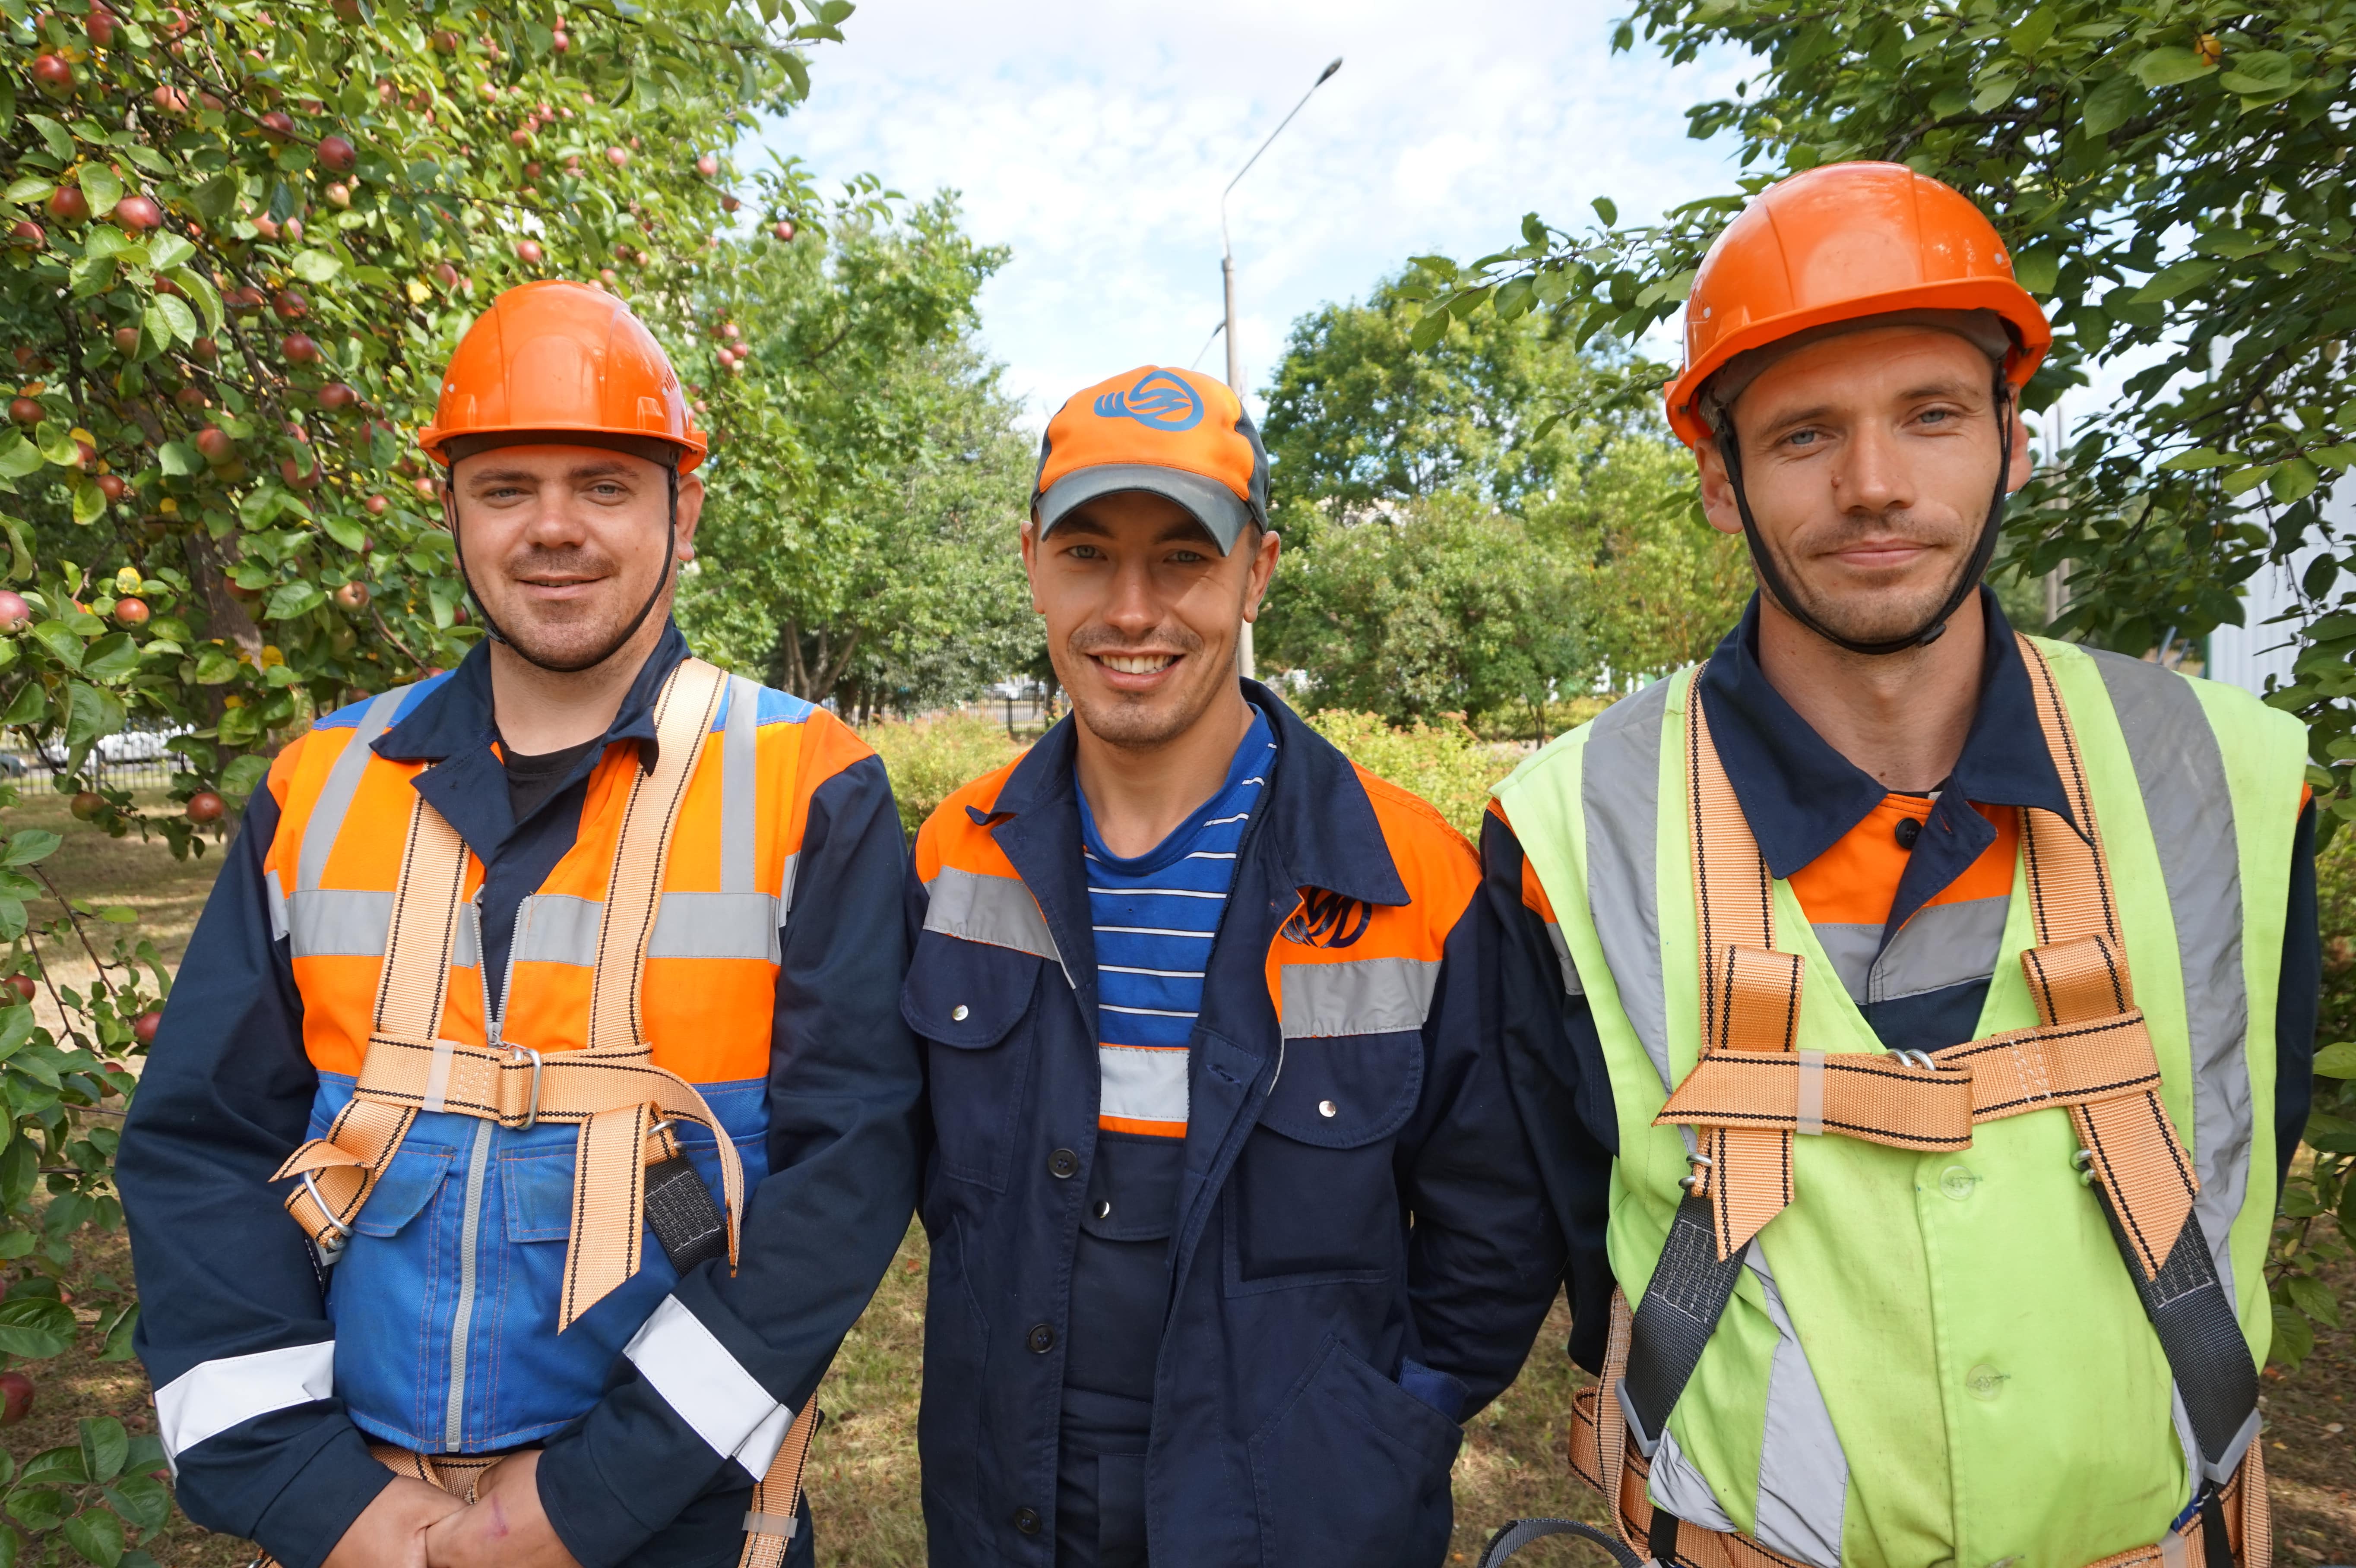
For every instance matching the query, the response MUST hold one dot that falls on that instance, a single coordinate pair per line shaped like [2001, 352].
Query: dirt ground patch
[864, 1479]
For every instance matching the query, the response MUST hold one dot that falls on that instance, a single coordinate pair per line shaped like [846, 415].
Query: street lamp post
[1227, 281]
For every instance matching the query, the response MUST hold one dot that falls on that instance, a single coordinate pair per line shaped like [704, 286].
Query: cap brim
[1210, 503]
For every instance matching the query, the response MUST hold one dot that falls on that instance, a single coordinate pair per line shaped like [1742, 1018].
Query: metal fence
[134, 758]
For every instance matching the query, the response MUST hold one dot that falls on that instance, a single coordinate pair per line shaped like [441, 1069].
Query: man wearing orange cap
[1927, 1009]
[1231, 1217]
[555, 999]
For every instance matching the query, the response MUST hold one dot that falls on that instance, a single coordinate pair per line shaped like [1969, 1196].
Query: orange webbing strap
[611, 1090]
[770, 1523]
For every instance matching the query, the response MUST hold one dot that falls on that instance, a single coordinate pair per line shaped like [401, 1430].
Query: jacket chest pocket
[1313, 1199]
[971, 1003]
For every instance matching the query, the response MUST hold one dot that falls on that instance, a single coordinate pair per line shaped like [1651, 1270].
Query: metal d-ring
[343, 1231]
[2083, 1163]
[531, 1117]
[1700, 1163]
[1920, 1059]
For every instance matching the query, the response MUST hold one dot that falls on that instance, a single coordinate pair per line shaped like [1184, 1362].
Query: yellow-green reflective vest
[1940, 1358]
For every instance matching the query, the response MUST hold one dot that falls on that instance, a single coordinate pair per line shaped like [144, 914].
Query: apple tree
[240, 240]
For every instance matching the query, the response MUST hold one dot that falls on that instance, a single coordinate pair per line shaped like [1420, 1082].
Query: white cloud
[1093, 139]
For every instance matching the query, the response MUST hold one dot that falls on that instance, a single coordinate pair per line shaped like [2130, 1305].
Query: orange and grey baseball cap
[1172, 432]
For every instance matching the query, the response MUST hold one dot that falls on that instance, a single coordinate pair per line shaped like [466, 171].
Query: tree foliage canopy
[2174, 185]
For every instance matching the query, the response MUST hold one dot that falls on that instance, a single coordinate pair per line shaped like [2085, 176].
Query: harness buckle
[329, 1251]
[531, 1117]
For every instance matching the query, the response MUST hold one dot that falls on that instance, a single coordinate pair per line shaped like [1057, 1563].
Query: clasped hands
[413, 1525]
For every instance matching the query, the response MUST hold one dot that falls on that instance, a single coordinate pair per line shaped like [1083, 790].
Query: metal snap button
[1327, 1108]
[1062, 1164]
[958, 1013]
[1984, 1382]
[1957, 1181]
[1104, 1209]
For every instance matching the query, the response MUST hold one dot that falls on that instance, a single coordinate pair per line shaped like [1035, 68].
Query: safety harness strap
[622, 1104]
[1687, 1295]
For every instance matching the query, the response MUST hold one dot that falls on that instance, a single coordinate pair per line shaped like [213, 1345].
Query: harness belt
[769, 1524]
[1751, 1092]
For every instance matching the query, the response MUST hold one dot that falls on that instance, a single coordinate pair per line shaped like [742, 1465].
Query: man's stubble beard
[573, 642]
[1874, 615]
[1138, 724]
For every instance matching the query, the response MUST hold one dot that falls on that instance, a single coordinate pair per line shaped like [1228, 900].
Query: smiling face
[563, 544]
[1143, 614]
[1869, 460]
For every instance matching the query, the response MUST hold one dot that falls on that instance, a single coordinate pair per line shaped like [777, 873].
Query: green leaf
[180, 459]
[2176, 278]
[19, 457]
[178, 319]
[2108, 106]
[28, 707]
[97, 1534]
[29, 189]
[1428, 331]
[29, 845]
[167, 250]
[2032, 35]
[90, 711]
[2260, 72]
[2339, 459]
[243, 776]
[59, 639]
[54, 136]
[2293, 481]
[2235, 483]
[111, 657]
[104, 1445]
[2170, 64]
[316, 266]
[1608, 211]
[216, 196]
[2337, 1059]
[294, 599]
[1998, 89]
[36, 1328]
[89, 500]
[104, 189]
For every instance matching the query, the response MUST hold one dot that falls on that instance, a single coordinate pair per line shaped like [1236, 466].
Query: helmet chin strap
[491, 627]
[1729, 449]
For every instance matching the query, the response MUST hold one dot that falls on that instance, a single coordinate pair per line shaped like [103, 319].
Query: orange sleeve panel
[951, 837]
[1437, 863]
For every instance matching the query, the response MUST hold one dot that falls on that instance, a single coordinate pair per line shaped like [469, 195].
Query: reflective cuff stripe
[786, 886]
[213, 1396]
[335, 800]
[279, 929]
[1571, 986]
[999, 911]
[739, 785]
[708, 1386]
[1143, 1089]
[339, 922]
[1369, 996]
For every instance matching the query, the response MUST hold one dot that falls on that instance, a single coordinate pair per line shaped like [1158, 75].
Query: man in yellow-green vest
[1916, 1018]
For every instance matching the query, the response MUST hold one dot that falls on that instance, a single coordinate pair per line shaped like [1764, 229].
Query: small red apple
[204, 351]
[24, 411]
[111, 486]
[126, 340]
[293, 228]
[245, 300]
[88, 806]
[560, 43]
[376, 506]
[300, 347]
[339, 194]
[22, 984]
[707, 165]
[15, 614]
[53, 73]
[446, 42]
[206, 806]
[27, 233]
[784, 229]
[348, 12]
[617, 156]
[290, 304]
[138, 213]
[278, 125]
[424, 486]
[67, 204]
[353, 596]
[170, 100]
[265, 225]
[337, 153]
[529, 252]
[101, 27]
[293, 473]
[132, 612]
[143, 1028]
[216, 445]
[445, 274]
[15, 1397]
[336, 395]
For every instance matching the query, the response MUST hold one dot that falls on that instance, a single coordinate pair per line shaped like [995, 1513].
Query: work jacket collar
[1801, 796]
[1319, 821]
[454, 728]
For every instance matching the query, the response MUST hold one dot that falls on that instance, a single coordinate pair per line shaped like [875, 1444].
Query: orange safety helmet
[562, 357]
[1840, 244]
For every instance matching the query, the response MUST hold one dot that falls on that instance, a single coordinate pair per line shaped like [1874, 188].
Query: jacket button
[1104, 1209]
[958, 1013]
[1063, 1164]
[1026, 1519]
[1042, 1340]
[1908, 830]
[1327, 1108]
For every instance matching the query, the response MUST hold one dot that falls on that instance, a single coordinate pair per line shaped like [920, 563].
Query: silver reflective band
[335, 800]
[996, 911]
[711, 1390]
[1368, 995]
[1810, 1116]
[213, 1396]
[770, 1524]
[1142, 1082]
[339, 922]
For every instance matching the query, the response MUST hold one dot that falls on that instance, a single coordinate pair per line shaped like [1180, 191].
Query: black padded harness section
[1689, 1293]
[685, 1220]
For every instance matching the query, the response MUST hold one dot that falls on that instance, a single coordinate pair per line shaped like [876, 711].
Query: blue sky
[1093, 139]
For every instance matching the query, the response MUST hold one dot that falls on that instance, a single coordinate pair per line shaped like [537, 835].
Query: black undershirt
[532, 781]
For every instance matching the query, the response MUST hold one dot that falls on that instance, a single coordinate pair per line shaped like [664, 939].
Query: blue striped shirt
[1155, 918]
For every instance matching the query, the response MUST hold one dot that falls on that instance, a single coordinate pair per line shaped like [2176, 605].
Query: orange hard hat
[562, 357]
[1840, 244]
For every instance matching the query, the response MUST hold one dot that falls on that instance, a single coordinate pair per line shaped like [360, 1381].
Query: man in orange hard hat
[1916, 1016]
[555, 1000]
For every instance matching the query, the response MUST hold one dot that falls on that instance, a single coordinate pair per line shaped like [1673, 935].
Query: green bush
[928, 759]
[1445, 764]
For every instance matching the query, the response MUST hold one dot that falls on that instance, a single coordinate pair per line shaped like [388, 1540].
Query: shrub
[1445, 764]
[929, 758]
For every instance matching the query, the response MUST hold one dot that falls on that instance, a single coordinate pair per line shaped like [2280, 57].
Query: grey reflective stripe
[715, 925]
[339, 922]
[557, 928]
[1851, 946]
[740, 790]
[1803, 1470]
[1142, 1083]
[276, 896]
[1562, 955]
[999, 911]
[1678, 1486]
[467, 944]
[1366, 995]
[1944, 944]
[335, 800]
[1621, 771]
[2181, 775]
[786, 886]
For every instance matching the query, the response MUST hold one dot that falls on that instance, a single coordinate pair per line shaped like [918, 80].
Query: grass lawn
[862, 1476]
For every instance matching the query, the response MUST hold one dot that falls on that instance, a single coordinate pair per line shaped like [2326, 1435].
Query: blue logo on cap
[1160, 401]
